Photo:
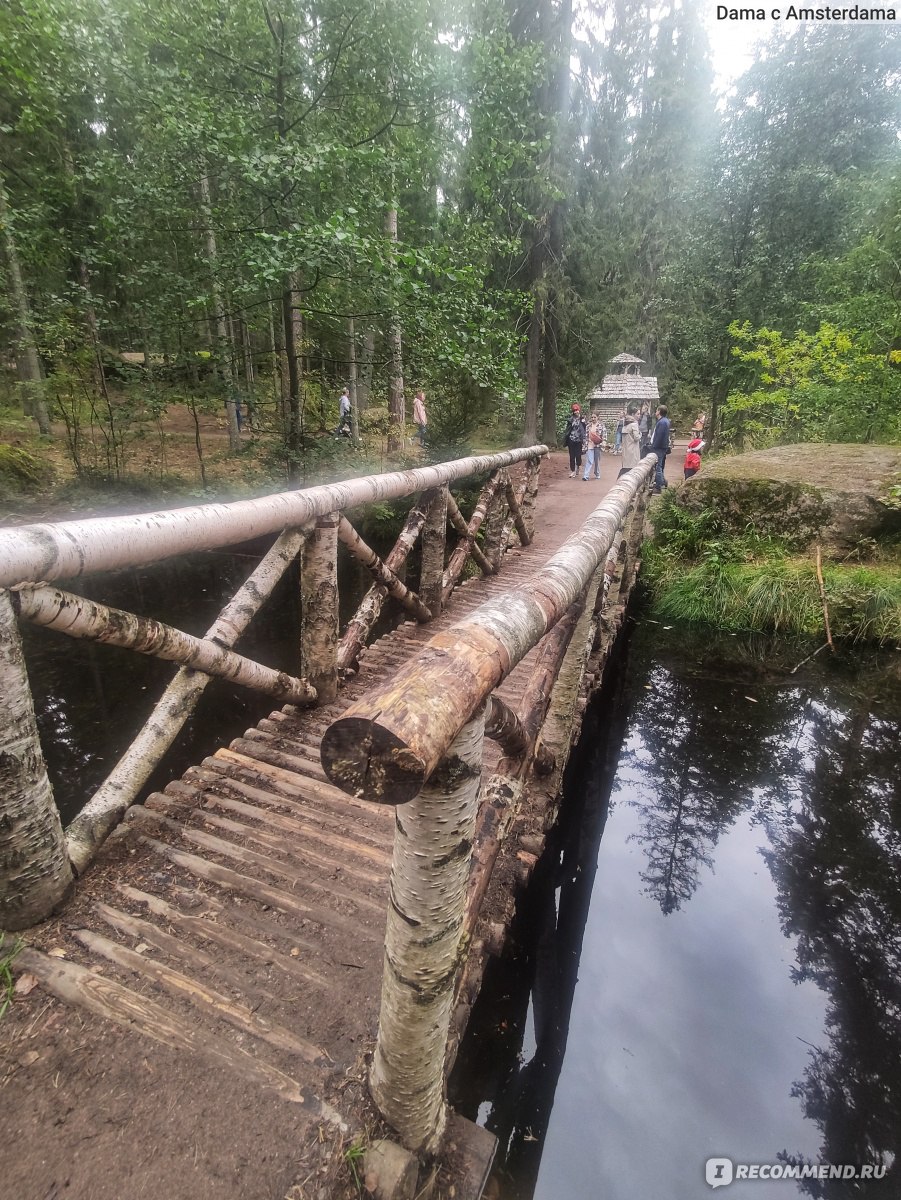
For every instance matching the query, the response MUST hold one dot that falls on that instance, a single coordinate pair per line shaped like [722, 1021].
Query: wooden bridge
[201, 1016]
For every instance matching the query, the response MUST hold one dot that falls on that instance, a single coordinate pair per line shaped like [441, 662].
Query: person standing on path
[343, 415]
[660, 446]
[644, 429]
[419, 414]
[631, 441]
[618, 435]
[594, 443]
[575, 436]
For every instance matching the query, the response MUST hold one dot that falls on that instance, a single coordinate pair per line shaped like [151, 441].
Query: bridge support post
[530, 495]
[34, 869]
[423, 951]
[319, 608]
[434, 539]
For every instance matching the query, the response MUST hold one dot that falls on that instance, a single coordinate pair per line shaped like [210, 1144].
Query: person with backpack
[574, 436]
[594, 442]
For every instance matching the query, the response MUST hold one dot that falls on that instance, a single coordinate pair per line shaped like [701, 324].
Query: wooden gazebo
[624, 384]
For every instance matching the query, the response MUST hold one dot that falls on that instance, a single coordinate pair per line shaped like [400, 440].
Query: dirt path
[192, 1023]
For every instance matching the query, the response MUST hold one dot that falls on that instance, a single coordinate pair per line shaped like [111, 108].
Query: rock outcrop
[847, 496]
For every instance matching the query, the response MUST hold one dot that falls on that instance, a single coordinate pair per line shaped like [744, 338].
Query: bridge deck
[202, 1006]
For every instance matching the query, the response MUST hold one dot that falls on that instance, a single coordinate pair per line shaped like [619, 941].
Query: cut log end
[370, 762]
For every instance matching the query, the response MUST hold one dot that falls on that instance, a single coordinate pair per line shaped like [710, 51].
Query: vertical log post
[494, 525]
[530, 494]
[434, 537]
[34, 868]
[423, 951]
[319, 608]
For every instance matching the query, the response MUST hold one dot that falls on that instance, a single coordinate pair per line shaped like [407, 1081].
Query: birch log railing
[415, 742]
[38, 860]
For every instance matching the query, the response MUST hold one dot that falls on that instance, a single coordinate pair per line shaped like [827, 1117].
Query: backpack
[594, 437]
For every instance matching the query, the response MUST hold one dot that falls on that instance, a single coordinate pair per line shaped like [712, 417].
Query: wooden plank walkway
[201, 1007]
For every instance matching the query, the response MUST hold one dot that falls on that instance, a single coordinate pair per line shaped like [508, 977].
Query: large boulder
[841, 494]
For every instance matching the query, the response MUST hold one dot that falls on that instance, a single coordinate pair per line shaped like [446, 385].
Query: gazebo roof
[626, 387]
[626, 358]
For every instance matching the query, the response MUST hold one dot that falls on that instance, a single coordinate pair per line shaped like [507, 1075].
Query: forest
[231, 210]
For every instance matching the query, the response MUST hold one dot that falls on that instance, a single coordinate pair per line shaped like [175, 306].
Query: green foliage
[813, 387]
[7, 958]
[782, 596]
[21, 471]
[698, 568]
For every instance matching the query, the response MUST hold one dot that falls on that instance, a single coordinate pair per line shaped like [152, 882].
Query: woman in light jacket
[631, 441]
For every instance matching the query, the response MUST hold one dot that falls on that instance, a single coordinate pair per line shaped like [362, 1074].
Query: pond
[708, 962]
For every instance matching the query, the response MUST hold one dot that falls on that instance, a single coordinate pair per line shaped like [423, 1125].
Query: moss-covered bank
[736, 549]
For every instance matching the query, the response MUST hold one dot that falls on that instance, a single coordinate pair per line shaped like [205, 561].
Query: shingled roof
[624, 385]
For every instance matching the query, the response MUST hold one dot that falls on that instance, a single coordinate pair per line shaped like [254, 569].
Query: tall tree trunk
[222, 353]
[292, 322]
[364, 383]
[352, 382]
[559, 51]
[533, 363]
[28, 362]
[396, 407]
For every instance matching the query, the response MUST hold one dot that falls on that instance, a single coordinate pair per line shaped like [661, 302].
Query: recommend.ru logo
[722, 1171]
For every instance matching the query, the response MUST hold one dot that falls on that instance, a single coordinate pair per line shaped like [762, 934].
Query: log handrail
[32, 556]
[387, 745]
[70, 549]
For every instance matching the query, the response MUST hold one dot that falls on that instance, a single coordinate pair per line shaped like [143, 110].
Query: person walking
[343, 429]
[419, 414]
[631, 441]
[618, 435]
[594, 443]
[660, 446]
[574, 436]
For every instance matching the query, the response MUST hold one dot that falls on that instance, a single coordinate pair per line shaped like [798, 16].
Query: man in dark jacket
[660, 446]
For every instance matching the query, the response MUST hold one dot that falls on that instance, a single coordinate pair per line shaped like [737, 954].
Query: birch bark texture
[71, 549]
[34, 869]
[81, 618]
[423, 942]
[319, 607]
[387, 744]
[434, 541]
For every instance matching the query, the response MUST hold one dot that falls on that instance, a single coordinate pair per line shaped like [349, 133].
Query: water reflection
[739, 987]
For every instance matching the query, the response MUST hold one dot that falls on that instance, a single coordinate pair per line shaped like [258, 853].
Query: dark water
[709, 961]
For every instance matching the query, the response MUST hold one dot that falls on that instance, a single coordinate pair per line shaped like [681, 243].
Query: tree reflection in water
[707, 735]
[818, 767]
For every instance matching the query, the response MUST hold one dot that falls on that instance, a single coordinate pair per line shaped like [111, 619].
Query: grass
[781, 596]
[748, 583]
[7, 982]
[353, 1156]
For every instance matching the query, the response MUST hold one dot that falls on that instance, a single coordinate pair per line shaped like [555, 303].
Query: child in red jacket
[693, 457]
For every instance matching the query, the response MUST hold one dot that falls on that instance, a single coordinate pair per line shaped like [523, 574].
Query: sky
[732, 43]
